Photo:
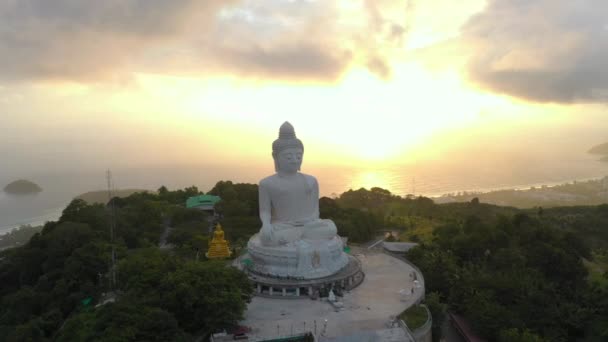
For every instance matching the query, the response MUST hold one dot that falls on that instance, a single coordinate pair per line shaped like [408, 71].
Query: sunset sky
[98, 84]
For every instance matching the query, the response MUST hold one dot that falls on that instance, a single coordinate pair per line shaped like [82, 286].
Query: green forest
[57, 287]
[516, 275]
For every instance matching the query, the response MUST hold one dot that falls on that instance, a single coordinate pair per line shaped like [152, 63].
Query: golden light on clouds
[363, 82]
[360, 118]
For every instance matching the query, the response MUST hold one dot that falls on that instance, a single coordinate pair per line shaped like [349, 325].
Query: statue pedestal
[304, 259]
[349, 277]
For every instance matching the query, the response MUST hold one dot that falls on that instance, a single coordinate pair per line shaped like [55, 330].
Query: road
[162, 244]
[373, 242]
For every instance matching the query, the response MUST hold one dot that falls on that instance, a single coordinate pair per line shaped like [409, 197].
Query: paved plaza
[367, 309]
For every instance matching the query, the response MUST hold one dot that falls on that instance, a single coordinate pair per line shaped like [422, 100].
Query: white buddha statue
[289, 199]
[293, 240]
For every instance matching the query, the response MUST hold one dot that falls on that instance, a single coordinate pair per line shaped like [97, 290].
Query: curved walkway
[368, 308]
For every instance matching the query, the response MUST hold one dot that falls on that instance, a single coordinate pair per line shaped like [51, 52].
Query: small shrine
[218, 247]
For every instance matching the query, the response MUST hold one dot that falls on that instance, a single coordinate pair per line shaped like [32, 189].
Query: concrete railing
[420, 276]
[407, 330]
[422, 333]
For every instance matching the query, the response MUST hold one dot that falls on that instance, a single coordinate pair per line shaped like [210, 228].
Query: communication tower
[112, 222]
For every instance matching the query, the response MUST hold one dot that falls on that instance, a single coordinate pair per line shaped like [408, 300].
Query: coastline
[55, 213]
[39, 220]
[522, 187]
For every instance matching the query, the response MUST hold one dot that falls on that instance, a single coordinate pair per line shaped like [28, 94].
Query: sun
[361, 117]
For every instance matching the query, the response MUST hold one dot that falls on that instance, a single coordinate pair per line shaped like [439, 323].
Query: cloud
[90, 41]
[541, 50]
[80, 40]
[295, 40]
[379, 67]
[298, 60]
[275, 39]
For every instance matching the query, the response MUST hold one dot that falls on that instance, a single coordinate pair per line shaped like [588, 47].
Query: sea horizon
[59, 188]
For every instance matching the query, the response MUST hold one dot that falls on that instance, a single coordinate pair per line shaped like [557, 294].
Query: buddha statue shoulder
[289, 199]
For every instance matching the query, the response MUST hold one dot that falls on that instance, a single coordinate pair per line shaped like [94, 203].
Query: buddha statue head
[218, 234]
[287, 150]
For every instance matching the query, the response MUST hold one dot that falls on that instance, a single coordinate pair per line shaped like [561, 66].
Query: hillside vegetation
[101, 196]
[51, 285]
[516, 275]
[55, 286]
[592, 192]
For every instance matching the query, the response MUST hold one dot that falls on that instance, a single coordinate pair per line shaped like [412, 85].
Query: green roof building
[202, 202]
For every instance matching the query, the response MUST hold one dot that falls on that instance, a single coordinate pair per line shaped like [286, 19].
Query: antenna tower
[414, 186]
[112, 220]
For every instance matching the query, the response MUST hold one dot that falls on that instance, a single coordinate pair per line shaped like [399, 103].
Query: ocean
[435, 179]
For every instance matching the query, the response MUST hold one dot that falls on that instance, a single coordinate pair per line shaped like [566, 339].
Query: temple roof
[202, 201]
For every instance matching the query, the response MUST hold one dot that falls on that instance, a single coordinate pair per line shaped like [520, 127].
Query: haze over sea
[431, 179]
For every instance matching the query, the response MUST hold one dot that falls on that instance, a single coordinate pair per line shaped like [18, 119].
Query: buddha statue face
[289, 160]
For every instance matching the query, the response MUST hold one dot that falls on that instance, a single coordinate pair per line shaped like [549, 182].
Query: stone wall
[424, 333]
[420, 294]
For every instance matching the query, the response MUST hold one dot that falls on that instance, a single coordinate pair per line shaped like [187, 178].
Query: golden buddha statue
[218, 246]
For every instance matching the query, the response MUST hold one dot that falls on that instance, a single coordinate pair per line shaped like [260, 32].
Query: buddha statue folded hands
[289, 210]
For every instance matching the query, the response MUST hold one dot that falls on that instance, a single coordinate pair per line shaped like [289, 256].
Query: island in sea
[601, 150]
[22, 187]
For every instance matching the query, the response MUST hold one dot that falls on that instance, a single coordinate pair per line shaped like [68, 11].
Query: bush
[415, 316]
[438, 312]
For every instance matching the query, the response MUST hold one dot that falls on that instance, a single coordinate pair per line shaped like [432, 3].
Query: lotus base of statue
[303, 259]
